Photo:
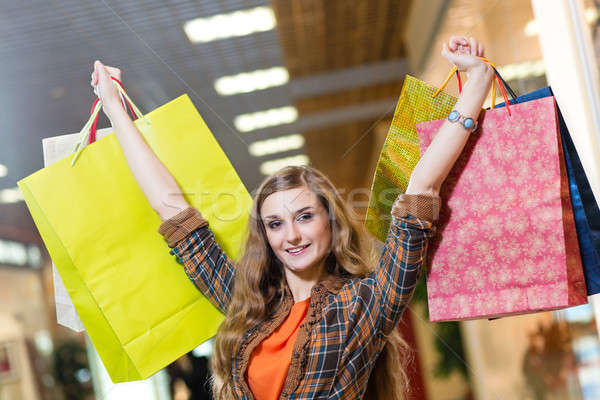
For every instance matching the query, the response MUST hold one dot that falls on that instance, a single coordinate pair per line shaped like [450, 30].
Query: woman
[308, 314]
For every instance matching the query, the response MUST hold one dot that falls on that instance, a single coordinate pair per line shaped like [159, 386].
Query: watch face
[453, 116]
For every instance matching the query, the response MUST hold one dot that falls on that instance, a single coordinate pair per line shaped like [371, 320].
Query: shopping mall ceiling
[345, 61]
[329, 71]
[47, 49]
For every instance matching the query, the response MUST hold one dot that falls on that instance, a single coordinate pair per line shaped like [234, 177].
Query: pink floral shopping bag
[507, 242]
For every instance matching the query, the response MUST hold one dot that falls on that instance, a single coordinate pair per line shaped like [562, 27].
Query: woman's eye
[305, 216]
[274, 224]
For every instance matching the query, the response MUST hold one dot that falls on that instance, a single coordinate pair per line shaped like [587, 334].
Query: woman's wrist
[475, 91]
[480, 71]
[112, 108]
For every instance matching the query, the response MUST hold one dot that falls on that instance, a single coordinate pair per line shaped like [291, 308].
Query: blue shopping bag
[585, 207]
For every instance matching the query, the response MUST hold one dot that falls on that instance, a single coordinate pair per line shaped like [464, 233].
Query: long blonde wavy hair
[260, 282]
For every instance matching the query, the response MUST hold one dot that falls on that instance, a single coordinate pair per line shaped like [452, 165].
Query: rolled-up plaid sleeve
[405, 251]
[206, 264]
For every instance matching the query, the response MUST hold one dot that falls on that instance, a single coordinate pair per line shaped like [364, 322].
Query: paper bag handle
[496, 81]
[126, 104]
[87, 128]
[507, 87]
[503, 85]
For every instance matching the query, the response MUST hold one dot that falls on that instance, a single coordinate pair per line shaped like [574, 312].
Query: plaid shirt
[348, 320]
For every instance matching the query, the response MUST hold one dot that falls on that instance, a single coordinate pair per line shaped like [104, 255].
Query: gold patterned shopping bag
[400, 151]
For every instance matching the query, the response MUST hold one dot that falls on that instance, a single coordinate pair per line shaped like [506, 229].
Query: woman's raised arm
[157, 183]
[435, 165]
[186, 232]
[415, 213]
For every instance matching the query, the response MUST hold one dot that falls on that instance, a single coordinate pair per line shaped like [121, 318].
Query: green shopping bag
[135, 301]
[400, 152]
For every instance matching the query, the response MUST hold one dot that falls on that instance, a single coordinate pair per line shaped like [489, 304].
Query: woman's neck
[301, 283]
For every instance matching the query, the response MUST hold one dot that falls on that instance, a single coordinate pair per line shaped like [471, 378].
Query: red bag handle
[95, 124]
[497, 81]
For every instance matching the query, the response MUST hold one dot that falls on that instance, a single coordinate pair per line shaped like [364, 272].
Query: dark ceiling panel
[48, 47]
[325, 35]
[347, 146]
[338, 38]
[348, 97]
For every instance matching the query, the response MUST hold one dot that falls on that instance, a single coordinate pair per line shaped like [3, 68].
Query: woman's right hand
[104, 87]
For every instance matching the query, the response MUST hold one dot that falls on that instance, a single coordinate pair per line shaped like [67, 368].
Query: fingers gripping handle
[126, 103]
[88, 132]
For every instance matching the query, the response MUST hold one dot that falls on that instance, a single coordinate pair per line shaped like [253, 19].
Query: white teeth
[297, 250]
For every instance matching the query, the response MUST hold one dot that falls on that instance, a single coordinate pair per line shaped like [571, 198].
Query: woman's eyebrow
[302, 210]
[295, 212]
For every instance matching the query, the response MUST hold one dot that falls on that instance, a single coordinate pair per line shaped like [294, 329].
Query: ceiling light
[276, 145]
[3, 171]
[247, 82]
[264, 119]
[11, 195]
[272, 166]
[237, 23]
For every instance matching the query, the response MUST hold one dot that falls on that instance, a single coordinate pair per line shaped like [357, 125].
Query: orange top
[270, 360]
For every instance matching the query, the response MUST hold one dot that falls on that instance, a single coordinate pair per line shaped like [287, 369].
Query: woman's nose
[293, 234]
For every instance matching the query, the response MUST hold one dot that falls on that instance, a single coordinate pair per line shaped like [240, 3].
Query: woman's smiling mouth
[297, 250]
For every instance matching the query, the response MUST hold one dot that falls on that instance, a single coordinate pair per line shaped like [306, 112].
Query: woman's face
[298, 230]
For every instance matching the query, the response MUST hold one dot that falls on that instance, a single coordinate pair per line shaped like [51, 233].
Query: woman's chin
[302, 266]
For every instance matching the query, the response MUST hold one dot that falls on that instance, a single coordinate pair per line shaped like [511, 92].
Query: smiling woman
[307, 258]
[309, 311]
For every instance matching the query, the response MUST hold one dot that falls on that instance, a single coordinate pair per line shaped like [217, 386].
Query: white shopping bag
[56, 148]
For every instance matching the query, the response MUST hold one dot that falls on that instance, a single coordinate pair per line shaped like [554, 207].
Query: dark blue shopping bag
[585, 207]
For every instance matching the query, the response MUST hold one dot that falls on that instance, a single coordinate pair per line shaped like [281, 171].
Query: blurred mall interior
[289, 82]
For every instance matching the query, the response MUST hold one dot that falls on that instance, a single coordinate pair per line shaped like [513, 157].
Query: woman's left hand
[464, 53]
